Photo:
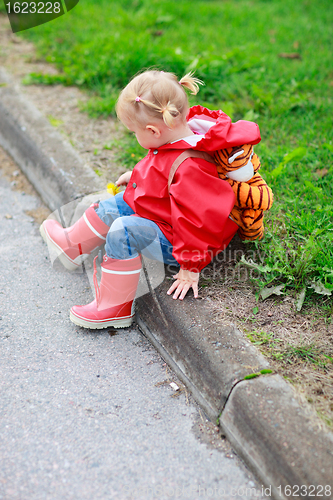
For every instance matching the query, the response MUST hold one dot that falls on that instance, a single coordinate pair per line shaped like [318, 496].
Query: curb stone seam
[220, 412]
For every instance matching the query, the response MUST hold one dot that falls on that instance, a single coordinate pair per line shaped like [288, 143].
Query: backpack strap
[188, 153]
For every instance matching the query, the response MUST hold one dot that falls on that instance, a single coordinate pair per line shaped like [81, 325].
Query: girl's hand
[184, 281]
[124, 179]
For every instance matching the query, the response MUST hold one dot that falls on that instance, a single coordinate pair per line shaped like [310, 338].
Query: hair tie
[138, 99]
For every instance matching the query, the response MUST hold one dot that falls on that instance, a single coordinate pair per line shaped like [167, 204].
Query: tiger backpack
[253, 196]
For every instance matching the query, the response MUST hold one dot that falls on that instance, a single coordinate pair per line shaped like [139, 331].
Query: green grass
[128, 150]
[234, 46]
[288, 354]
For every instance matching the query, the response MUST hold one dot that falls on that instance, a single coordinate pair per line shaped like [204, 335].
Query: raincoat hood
[216, 131]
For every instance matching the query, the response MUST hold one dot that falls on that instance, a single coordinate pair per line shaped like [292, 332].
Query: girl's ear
[156, 132]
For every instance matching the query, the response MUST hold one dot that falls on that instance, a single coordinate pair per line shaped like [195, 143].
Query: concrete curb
[261, 417]
[187, 331]
[51, 165]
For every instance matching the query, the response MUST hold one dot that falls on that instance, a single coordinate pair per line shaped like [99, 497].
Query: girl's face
[149, 136]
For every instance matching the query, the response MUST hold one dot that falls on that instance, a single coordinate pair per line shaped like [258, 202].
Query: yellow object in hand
[112, 188]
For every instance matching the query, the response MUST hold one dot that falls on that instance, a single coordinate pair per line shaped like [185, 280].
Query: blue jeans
[130, 236]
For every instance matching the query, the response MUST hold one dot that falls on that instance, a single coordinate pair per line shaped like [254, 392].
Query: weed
[260, 338]
[266, 371]
[98, 172]
[286, 353]
[251, 376]
[55, 122]
[307, 353]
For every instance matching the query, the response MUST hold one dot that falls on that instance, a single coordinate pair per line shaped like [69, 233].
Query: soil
[298, 344]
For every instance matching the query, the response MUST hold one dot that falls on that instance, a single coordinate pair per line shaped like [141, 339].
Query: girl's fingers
[181, 291]
[184, 280]
[184, 291]
[124, 179]
[173, 287]
[181, 288]
[178, 291]
[178, 286]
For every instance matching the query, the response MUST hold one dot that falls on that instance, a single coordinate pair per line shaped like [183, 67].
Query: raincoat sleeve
[200, 206]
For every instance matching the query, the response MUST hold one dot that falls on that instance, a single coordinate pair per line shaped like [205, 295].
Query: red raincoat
[194, 217]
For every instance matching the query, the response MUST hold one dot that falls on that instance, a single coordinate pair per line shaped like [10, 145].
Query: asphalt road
[91, 415]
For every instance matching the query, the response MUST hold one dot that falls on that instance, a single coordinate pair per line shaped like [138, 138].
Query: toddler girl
[184, 223]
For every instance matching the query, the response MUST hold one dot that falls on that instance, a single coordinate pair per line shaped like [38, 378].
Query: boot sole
[98, 325]
[68, 263]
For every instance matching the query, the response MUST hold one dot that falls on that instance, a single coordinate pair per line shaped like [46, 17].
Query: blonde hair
[156, 95]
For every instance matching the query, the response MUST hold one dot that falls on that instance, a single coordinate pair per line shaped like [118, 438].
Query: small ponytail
[156, 95]
[169, 113]
[191, 83]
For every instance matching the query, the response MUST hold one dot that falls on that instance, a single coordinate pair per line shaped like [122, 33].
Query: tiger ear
[231, 159]
[239, 157]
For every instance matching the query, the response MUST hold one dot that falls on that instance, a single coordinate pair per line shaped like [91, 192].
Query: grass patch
[308, 366]
[128, 150]
[280, 350]
[263, 60]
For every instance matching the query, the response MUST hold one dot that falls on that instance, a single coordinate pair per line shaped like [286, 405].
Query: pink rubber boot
[114, 302]
[72, 245]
